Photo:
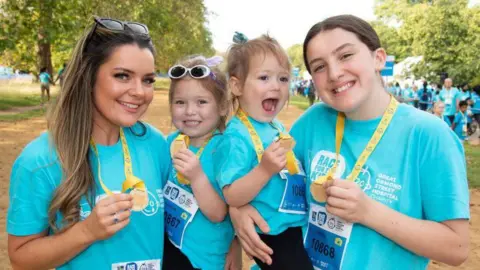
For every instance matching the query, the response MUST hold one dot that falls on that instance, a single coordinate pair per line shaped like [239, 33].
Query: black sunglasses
[116, 25]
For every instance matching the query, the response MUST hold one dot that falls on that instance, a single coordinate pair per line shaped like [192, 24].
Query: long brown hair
[70, 122]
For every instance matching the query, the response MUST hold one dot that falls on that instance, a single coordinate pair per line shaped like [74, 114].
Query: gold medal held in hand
[137, 190]
[180, 142]
[316, 188]
[140, 199]
[287, 142]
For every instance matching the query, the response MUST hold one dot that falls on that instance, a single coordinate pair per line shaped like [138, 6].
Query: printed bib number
[180, 208]
[294, 199]
[326, 238]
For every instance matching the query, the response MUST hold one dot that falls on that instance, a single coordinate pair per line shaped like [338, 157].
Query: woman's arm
[40, 251]
[446, 242]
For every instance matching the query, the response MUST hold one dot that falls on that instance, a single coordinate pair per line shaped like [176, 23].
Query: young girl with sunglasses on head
[87, 194]
[197, 226]
[387, 182]
[255, 160]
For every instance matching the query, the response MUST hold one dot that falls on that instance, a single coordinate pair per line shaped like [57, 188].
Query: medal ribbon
[372, 144]
[131, 182]
[292, 166]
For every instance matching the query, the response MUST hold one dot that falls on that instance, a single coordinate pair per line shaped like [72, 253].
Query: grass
[300, 101]
[23, 115]
[161, 84]
[9, 100]
[472, 153]
[473, 165]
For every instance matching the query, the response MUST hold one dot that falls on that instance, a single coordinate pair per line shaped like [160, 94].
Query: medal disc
[317, 190]
[140, 199]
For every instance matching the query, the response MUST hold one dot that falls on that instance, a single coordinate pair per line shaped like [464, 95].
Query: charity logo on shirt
[379, 186]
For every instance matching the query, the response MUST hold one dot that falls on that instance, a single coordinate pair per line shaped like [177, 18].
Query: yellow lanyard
[372, 144]
[131, 181]
[292, 166]
[181, 137]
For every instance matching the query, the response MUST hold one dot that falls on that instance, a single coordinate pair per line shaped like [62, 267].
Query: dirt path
[14, 136]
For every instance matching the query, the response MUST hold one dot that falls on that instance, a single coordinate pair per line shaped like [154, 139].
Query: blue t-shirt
[205, 243]
[476, 103]
[409, 94]
[36, 174]
[450, 97]
[417, 169]
[237, 157]
[460, 122]
[44, 78]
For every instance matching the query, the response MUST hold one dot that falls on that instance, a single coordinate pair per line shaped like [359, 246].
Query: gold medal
[140, 199]
[287, 142]
[316, 188]
[178, 144]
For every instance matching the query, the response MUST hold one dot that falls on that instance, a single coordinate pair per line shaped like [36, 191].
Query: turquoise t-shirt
[460, 125]
[36, 174]
[417, 169]
[44, 78]
[205, 243]
[450, 97]
[476, 103]
[237, 157]
[409, 94]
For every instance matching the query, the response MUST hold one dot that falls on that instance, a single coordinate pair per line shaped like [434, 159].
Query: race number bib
[326, 238]
[293, 200]
[180, 208]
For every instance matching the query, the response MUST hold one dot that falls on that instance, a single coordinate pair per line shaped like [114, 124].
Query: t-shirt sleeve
[458, 119]
[443, 175]
[298, 132]
[232, 160]
[31, 192]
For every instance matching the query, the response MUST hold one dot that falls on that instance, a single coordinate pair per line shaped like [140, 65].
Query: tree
[444, 32]
[177, 28]
[295, 53]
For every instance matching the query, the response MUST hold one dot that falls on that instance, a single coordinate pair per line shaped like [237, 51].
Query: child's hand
[187, 163]
[274, 159]
[345, 199]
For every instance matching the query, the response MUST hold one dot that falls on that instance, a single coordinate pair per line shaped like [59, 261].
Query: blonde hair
[216, 84]
[70, 122]
[240, 55]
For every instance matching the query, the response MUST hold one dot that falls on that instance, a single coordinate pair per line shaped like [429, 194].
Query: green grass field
[10, 100]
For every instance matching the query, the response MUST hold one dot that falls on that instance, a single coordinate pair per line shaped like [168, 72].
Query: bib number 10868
[323, 248]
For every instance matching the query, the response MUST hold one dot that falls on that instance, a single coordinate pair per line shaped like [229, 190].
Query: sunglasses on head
[196, 72]
[117, 25]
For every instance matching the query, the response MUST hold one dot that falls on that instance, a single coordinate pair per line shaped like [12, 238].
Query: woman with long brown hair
[88, 192]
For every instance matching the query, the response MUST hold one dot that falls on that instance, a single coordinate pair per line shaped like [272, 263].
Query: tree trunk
[44, 54]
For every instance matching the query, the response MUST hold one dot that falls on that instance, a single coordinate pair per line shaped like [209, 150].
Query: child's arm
[209, 202]
[455, 121]
[244, 189]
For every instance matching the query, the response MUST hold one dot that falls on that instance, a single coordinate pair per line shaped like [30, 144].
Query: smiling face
[123, 89]
[265, 90]
[194, 109]
[344, 70]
